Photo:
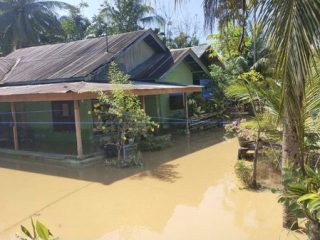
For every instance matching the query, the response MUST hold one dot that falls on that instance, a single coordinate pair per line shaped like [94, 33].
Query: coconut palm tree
[292, 29]
[26, 22]
[128, 15]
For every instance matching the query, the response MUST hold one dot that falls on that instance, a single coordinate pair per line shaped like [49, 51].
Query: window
[176, 101]
[63, 116]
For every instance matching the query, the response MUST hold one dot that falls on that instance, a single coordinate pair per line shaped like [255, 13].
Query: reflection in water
[224, 213]
[184, 192]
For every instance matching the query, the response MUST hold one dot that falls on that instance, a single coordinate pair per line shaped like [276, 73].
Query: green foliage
[75, 24]
[217, 84]
[39, 232]
[183, 40]
[226, 12]
[195, 110]
[252, 77]
[27, 23]
[244, 173]
[121, 117]
[97, 27]
[226, 42]
[231, 130]
[155, 143]
[128, 15]
[302, 192]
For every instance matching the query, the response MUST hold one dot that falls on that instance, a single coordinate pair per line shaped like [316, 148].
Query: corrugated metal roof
[80, 88]
[63, 61]
[160, 65]
[5, 66]
[200, 50]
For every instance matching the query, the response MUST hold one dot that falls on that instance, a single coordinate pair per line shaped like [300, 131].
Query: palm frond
[292, 31]
[54, 4]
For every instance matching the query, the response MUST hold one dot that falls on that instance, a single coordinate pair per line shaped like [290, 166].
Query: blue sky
[191, 11]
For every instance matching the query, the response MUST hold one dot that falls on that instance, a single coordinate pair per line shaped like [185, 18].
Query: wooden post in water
[78, 128]
[185, 97]
[14, 126]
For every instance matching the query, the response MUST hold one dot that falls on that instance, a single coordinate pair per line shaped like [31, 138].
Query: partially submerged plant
[120, 116]
[155, 143]
[39, 232]
[244, 173]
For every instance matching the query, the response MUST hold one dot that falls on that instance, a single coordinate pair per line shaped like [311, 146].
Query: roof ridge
[80, 40]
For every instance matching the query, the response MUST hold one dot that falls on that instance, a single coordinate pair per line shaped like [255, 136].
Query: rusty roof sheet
[65, 60]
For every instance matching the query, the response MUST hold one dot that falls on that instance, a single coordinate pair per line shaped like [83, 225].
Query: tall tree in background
[226, 12]
[26, 23]
[128, 15]
[183, 40]
[75, 25]
[97, 27]
[180, 32]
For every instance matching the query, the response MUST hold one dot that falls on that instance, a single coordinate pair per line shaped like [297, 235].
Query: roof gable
[161, 65]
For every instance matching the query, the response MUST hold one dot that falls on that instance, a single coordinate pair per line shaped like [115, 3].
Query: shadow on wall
[156, 164]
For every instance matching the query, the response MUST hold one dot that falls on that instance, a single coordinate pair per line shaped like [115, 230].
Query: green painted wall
[6, 135]
[180, 75]
[88, 139]
[153, 106]
[36, 123]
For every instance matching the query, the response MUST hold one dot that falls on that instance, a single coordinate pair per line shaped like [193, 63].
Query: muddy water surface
[184, 192]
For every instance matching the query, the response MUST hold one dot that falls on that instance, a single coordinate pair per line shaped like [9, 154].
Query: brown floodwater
[188, 191]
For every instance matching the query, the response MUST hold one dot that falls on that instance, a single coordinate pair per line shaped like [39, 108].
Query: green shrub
[244, 173]
[155, 143]
[272, 157]
[231, 130]
[130, 157]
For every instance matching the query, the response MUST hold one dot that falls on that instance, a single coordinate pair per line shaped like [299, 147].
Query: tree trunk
[290, 154]
[313, 230]
[255, 161]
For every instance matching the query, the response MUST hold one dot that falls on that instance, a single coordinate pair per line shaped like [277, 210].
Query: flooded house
[47, 91]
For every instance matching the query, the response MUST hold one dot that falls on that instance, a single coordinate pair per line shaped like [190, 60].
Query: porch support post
[185, 97]
[14, 126]
[143, 102]
[78, 128]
